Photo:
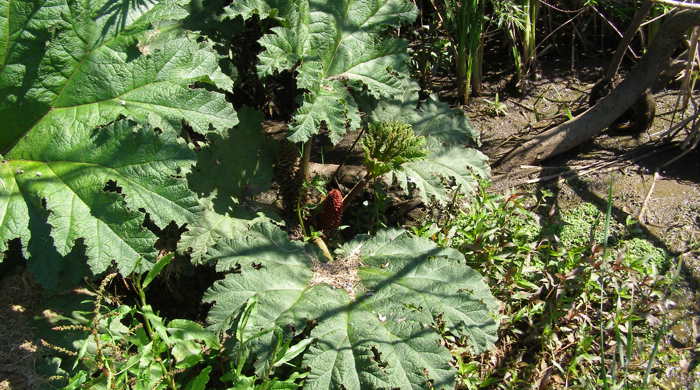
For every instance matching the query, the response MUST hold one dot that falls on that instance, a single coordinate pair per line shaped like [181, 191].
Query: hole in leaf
[377, 357]
[132, 53]
[430, 382]
[193, 137]
[412, 307]
[13, 257]
[111, 186]
[465, 291]
[168, 237]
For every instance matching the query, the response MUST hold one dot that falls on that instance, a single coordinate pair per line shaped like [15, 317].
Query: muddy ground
[18, 347]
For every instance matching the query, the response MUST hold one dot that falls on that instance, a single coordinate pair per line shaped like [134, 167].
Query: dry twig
[679, 4]
[597, 167]
[640, 217]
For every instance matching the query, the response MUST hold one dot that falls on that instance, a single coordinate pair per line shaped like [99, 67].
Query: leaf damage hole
[377, 357]
[193, 137]
[429, 381]
[341, 273]
[111, 186]
[168, 237]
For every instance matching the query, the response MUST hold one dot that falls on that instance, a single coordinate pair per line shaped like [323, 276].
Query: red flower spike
[332, 212]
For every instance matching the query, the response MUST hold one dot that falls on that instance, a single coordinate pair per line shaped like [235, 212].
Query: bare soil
[18, 348]
[673, 209]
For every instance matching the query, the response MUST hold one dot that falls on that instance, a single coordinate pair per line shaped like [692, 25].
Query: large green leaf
[262, 8]
[84, 63]
[229, 169]
[364, 350]
[333, 46]
[68, 71]
[273, 269]
[237, 165]
[206, 230]
[93, 182]
[376, 334]
[444, 168]
[430, 283]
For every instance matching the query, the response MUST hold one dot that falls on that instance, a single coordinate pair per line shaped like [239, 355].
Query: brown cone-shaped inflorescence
[332, 211]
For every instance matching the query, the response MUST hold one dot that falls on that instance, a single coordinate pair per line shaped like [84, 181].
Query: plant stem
[169, 378]
[305, 159]
[149, 329]
[468, 25]
[478, 54]
[531, 8]
[517, 57]
[323, 248]
[302, 177]
[462, 56]
[300, 216]
[142, 299]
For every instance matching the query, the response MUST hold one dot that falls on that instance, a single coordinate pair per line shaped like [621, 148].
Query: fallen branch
[346, 174]
[688, 145]
[592, 122]
[673, 130]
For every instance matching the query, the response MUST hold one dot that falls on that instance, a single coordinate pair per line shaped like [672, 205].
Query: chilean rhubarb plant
[101, 102]
[346, 62]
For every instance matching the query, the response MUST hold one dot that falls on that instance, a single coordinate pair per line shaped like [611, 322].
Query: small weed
[496, 107]
[569, 115]
[118, 346]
